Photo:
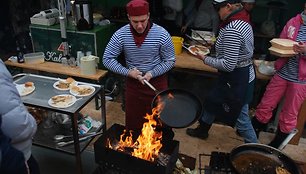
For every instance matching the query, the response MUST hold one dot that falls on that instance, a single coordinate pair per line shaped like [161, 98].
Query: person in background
[200, 15]
[248, 5]
[18, 126]
[289, 82]
[149, 55]
[234, 51]
[172, 17]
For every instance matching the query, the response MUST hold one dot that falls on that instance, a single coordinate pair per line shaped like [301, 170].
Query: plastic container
[34, 58]
[177, 42]
[282, 44]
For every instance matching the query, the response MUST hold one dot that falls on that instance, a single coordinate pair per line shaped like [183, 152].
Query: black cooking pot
[181, 108]
[254, 158]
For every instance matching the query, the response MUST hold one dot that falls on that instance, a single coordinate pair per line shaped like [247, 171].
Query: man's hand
[147, 77]
[200, 56]
[134, 73]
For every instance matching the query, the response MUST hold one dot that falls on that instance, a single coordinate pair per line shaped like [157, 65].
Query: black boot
[278, 139]
[200, 132]
[258, 126]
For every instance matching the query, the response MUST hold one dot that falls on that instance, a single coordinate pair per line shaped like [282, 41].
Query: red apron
[138, 99]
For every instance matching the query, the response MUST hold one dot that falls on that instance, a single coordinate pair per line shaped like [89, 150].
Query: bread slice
[70, 80]
[28, 84]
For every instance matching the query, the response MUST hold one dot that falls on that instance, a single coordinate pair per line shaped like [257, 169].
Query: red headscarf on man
[137, 7]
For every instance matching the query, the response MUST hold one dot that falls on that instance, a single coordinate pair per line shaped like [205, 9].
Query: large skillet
[254, 158]
[180, 108]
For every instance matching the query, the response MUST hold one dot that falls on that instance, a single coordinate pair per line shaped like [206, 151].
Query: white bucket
[88, 65]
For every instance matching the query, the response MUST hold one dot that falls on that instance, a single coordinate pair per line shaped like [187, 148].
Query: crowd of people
[149, 56]
[229, 100]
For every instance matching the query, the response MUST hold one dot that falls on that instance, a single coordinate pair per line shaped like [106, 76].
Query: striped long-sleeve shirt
[155, 55]
[234, 48]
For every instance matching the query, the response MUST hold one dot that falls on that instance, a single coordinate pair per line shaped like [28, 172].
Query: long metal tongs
[189, 37]
[65, 143]
[200, 36]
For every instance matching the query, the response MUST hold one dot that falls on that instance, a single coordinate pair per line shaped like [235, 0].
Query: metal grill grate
[219, 163]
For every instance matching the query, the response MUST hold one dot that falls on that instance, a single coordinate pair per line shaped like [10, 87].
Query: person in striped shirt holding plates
[228, 101]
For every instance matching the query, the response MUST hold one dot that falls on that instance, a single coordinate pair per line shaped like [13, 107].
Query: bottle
[24, 49]
[20, 58]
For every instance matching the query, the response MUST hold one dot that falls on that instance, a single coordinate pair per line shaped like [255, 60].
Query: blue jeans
[243, 124]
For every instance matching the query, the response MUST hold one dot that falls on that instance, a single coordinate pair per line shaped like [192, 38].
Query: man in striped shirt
[228, 101]
[288, 82]
[149, 55]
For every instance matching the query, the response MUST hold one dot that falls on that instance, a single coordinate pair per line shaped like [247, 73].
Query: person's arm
[17, 122]
[227, 60]
[111, 53]
[167, 57]
[189, 13]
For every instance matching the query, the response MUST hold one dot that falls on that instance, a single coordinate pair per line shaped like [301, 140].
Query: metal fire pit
[124, 163]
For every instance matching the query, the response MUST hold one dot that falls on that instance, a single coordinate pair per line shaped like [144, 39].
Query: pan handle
[151, 86]
[289, 137]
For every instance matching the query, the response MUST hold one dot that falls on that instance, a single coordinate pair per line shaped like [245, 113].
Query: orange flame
[148, 143]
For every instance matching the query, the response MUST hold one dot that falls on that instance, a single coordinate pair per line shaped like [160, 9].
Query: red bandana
[239, 15]
[137, 7]
[140, 37]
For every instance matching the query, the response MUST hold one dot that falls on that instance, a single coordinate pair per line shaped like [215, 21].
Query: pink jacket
[290, 31]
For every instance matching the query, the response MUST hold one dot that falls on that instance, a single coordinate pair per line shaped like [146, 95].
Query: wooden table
[58, 68]
[188, 62]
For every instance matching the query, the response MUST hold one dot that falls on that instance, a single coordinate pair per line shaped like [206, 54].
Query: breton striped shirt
[234, 47]
[290, 70]
[155, 55]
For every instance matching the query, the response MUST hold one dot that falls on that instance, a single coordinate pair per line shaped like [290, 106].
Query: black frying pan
[181, 108]
[254, 158]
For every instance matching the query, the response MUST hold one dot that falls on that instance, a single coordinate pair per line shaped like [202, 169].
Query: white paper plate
[23, 91]
[55, 85]
[200, 51]
[68, 101]
[79, 93]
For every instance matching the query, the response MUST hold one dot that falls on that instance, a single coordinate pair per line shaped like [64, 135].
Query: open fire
[148, 143]
[134, 151]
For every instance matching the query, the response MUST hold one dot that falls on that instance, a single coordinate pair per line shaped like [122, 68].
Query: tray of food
[282, 44]
[282, 53]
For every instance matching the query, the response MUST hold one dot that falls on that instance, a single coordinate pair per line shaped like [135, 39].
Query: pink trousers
[294, 95]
